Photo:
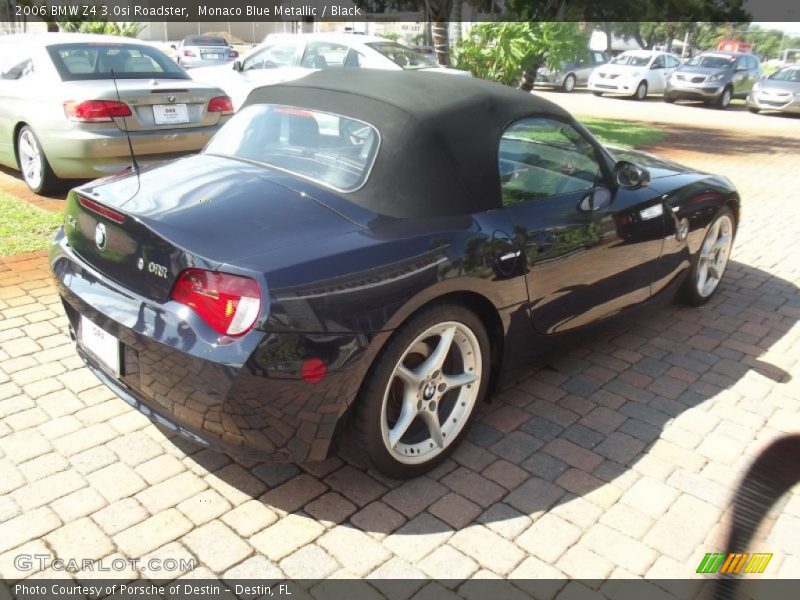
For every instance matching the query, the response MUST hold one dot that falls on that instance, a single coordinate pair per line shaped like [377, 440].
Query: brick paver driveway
[617, 458]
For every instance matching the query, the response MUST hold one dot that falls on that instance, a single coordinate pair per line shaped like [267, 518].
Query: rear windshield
[204, 40]
[329, 149]
[710, 61]
[632, 60]
[76, 62]
[402, 56]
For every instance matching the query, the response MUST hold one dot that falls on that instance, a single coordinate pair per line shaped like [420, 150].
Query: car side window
[672, 62]
[273, 56]
[18, 71]
[542, 157]
[324, 55]
[659, 63]
[598, 58]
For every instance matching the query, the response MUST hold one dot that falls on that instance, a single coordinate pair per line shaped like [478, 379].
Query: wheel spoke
[456, 381]
[407, 415]
[434, 427]
[435, 361]
[407, 376]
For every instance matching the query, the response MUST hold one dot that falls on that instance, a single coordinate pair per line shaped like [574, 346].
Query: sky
[791, 27]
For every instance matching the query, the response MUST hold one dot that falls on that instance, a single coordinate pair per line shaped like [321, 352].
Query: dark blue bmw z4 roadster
[364, 256]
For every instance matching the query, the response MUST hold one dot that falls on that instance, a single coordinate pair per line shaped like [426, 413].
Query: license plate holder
[100, 344]
[170, 114]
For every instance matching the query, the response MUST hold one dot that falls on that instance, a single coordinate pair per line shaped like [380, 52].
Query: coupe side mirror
[629, 175]
[237, 65]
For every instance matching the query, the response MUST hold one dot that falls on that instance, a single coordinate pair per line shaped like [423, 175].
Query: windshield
[711, 61]
[402, 56]
[204, 40]
[632, 60]
[787, 74]
[76, 62]
[335, 151]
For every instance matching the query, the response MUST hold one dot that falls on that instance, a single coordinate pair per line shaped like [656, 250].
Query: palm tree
[439, 13]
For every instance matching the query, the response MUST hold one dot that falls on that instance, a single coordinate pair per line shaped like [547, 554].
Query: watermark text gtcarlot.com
[31, 562]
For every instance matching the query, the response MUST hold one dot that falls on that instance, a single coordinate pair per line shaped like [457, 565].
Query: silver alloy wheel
[431, 393]
[726, 98]
[641, 91]
[714, 255]
[30, 159]
[569, 83]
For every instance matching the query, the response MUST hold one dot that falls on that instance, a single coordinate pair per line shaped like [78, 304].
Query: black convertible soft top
[440, 133]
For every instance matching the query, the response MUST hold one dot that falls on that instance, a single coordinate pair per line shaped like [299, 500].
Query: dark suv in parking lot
[714, 77]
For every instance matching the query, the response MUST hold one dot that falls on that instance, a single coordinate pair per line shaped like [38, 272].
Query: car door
[741, 77]
[589, 246]
[657, 77]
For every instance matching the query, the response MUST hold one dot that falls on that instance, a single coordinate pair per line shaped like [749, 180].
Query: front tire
[709, 263]
[641, 91]
[422, 393]
[724, 99]
[33, 163]
[568, 84]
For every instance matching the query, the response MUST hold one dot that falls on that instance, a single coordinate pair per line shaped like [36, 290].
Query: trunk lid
[201, 211]
[156, 104]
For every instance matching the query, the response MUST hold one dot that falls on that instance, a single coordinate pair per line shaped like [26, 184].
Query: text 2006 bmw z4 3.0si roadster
[361, 256]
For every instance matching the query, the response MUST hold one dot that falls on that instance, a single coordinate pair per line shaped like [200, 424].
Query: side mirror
[629, 175]
[237, 65]
[173, 46]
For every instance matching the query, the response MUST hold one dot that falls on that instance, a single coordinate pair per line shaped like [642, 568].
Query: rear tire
[33, 163]
[709, 262]
[422, 393]
[568, 84]
[641, 91]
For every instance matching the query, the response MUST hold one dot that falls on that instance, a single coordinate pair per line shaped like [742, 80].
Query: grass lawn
[623, 133]
[25, 228]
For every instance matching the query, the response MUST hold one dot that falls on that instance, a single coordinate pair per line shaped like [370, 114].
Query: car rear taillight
[189, 53]
[228, 303]
[221, 104]
[101, 210]
[233, 54]
[96, 111]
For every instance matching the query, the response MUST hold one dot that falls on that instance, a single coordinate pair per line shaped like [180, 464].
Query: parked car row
[69, 102]
[714, 77]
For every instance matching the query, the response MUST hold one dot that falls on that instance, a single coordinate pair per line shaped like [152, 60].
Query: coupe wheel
[569, 83]
[724, 99]
[421, 394]
[33, 163]
[710, 261]
[641, 91]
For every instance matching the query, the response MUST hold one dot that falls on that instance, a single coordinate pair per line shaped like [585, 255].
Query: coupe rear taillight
[228, 303]
[96, 111]
[221, 104]
[233, 54]
[101, 210]
[189, 53]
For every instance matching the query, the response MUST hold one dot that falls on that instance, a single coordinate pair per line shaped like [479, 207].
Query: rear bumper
[762, 102]
[244, 397]
[88, 154]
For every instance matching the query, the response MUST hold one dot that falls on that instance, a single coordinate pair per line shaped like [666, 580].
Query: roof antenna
[134, 164]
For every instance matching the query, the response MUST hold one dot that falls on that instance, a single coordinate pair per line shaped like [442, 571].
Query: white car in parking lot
[635, 73]
[284, 57]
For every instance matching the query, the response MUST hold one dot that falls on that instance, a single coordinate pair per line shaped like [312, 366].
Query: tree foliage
[510, 53]
[102, 27]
